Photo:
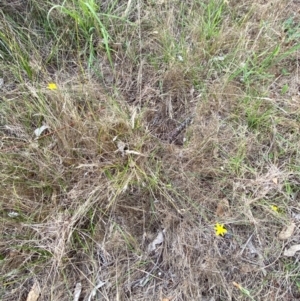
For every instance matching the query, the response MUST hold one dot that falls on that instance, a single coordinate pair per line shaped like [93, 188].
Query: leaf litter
[34, 293]
[291, 251]
[38, 132]
[77, 291]
[287, 231]
[157, 241]
[222, 208]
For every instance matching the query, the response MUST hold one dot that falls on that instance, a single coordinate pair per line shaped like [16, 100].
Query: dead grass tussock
[83, 202]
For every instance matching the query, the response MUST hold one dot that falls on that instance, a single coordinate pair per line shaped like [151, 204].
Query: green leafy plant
[291, 29]
[88, 21]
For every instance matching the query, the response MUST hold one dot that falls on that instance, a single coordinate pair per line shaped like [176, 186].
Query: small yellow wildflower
[52, 86]
[275, 208]
[220, 229]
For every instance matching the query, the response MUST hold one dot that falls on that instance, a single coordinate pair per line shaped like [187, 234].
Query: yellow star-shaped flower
[220, 229]
[275, 208]
[52, 86]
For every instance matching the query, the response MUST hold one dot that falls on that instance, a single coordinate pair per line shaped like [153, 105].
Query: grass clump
[149, 151]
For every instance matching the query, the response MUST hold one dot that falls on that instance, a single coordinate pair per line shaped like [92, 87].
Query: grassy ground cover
[149, 150]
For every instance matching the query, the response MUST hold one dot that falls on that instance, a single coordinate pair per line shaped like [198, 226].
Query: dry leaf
[158, 240]
[34, 292]
[291, 251]
[222, 208]
[296, 216]
[38, 132]
[77, 291]
[13, 214]
[247, 268]
[94, 290]
[133, 119]
[121, 147]
[287, 231]
[128, 152]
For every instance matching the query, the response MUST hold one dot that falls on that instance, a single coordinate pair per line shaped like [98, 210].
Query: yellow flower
[220, 229]
[275, 208]
[52, 86]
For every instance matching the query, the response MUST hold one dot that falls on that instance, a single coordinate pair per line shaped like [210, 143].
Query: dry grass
[84, 201]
